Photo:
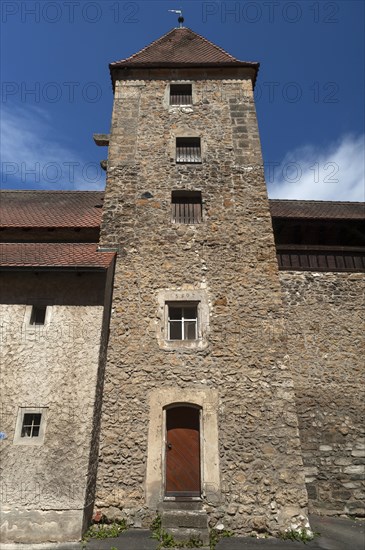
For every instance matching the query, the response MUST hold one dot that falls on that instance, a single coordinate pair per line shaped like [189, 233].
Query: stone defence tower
[199, 418]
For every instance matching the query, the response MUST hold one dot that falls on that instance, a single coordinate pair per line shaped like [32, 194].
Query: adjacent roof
[71, 209]
[330, 210]
[182, 47]
[50, 209]
[55, 255]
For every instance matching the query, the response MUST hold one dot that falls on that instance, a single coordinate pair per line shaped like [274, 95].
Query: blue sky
[56, 89]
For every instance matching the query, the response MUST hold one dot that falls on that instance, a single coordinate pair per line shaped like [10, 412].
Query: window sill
[189, 165]
[184, 224]
[184, 345]
[29, 441]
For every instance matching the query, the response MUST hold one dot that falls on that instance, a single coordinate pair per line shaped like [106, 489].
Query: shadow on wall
[75, 288]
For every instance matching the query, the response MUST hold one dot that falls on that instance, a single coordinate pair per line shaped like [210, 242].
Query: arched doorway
[182, 458]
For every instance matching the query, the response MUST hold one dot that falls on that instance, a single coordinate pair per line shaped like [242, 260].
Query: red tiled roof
[36, 209]
[181, 46]
[53, 255]
[50, 208]
[330, 210]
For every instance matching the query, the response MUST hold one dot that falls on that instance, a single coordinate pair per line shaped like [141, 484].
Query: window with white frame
[30, 427]
[182, 321]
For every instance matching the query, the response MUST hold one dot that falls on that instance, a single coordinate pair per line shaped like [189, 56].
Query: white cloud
[334, 174]
[33, 157]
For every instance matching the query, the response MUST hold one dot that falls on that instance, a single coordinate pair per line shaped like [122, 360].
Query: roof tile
[53, 255]
[84, 208]
[181, 46]
[330, 210]
[50, 209]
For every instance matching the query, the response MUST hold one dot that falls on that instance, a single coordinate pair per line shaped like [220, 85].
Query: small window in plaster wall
[188, 150]
[181, 94]
[38, 315]
[186, 207]
[30, 428]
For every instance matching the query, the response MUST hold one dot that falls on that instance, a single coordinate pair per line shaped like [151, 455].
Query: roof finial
[180, 19]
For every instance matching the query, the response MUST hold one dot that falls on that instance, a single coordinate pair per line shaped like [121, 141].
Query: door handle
[169, 446]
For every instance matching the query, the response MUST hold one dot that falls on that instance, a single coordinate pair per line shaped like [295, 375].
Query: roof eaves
[50, 192]
[30, 267]
[254, 65]
[309, 201]
[54, 255]
[137, 64]
[47, 227]
[290, 210]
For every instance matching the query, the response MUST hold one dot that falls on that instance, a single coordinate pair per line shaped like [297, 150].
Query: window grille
[181, 94]
[188, 150]
[186, 207]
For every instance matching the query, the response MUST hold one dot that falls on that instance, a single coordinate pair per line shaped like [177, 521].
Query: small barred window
[188, 150]
[181, 94]
[186, 207]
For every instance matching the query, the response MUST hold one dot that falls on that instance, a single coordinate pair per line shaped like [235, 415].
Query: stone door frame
[207, 401]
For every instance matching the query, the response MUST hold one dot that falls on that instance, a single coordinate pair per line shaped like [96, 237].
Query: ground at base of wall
[334, 534]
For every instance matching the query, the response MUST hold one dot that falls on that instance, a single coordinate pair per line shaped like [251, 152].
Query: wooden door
[182, 452]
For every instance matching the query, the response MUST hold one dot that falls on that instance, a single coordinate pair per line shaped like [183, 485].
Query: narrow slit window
[181, 94]
[182, 321]
[38, 315]
[31, 424]
[188, 150]
[186, 207]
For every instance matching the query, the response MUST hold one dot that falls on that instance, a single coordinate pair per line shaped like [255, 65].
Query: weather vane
[181, 19]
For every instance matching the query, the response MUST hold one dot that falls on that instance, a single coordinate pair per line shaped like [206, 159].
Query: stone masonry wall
[43, 491]
[325, 328]
[230, 257]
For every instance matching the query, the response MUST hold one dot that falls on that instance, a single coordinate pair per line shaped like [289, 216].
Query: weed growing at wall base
[167, 541]
[300, 536]
[216, 535]
[105, 530]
